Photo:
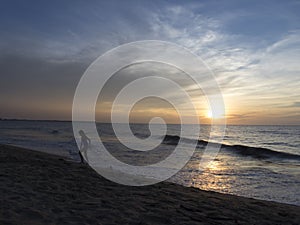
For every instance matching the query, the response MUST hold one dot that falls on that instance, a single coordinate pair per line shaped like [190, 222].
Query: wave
[280, 143]
[262, 153]
[243, 150]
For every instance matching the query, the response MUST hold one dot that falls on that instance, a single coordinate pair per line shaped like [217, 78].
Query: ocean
[261, 162]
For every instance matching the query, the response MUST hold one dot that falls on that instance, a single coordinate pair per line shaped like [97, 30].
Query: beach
[39, 188]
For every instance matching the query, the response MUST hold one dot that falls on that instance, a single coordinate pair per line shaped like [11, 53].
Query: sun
[216, 115]
[209, 114]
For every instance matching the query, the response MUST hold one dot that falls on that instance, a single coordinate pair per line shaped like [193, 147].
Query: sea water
[261, 162]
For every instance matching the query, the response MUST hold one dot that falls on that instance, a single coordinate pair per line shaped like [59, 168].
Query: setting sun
[215, 115]
[209, 114]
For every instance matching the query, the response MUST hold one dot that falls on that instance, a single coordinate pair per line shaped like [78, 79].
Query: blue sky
[251, 46]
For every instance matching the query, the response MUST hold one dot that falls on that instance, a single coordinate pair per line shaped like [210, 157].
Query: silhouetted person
[85, 143]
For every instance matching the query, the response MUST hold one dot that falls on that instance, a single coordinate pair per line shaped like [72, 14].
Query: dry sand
[37, 188]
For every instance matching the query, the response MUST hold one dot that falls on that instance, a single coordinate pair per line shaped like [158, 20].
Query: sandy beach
[38, 188]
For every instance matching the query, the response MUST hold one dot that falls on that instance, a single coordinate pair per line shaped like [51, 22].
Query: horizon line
[57, 120]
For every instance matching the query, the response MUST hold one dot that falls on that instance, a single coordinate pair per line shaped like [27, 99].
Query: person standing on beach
[85, 143]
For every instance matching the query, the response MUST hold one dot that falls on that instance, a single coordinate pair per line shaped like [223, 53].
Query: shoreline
[41, 188]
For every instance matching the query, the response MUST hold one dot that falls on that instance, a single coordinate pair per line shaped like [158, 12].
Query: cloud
[43, 57]
[293, 105]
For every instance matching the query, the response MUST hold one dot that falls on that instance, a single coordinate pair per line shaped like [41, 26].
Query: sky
[252, 48]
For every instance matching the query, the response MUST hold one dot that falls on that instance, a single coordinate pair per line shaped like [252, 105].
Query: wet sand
[38, 188]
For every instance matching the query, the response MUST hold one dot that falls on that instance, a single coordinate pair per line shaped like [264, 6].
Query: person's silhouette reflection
[85, 144]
